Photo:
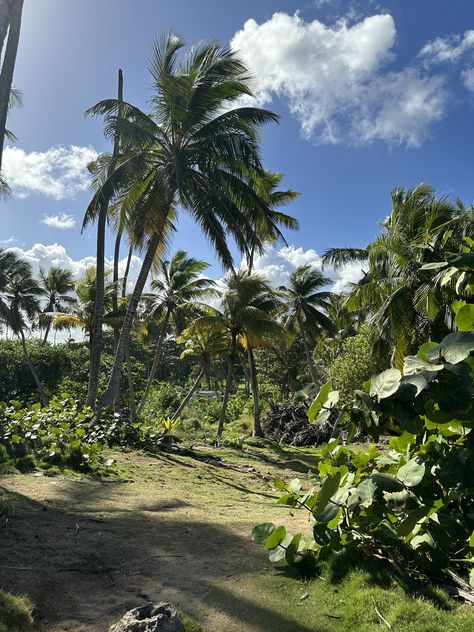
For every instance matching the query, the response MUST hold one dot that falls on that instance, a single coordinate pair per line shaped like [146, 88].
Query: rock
[150, 618]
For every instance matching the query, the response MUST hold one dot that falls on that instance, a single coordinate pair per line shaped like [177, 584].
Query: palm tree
[206, 346]
[247, 313]
[8, 67]
[179, 287]
[80, 312]
[101, 208]
[56, 284]
[191, 152]
[20, 304]
[305, 308]
[401, 299]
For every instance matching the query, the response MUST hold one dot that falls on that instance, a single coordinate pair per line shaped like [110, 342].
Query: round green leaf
[465, 318]
[385, 384]
[275, 538]
[411, 474]
[261, 532]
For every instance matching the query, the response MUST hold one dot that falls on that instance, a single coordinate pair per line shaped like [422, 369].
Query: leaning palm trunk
[115, 279]
[156, 362]
[127, 270]
[42, 394]
[114, 381]
[5, 16]
[257, 427]
[100, 273]
[8, 67]
[191, 392]
[228, 387]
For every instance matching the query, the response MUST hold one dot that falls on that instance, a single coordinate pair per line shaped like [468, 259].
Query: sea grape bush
[412, 504]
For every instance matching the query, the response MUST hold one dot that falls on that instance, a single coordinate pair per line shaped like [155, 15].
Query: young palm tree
[206, 346]
[191, 152]
[397, 294]
[81, 311]
[56, 284]
[179, 287]
[20, 304]
[247, 313]
[305, 308]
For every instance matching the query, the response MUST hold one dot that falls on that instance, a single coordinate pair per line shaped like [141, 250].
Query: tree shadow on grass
[84, 573]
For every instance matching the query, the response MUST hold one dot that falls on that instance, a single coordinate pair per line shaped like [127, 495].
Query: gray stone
[150, 618]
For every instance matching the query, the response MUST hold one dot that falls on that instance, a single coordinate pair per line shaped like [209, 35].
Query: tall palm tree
[191, 152]
[56, 285]
[20, 304]
[206, 346]
[305, 306]
[8, 67]
[247, 313]
[400, 297]
[179, 287]
[101, 208]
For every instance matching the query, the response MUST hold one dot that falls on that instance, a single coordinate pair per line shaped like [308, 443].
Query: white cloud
[335, 79]
[277, 265]
[468, 79]
[61, 220]
[59, 172]
[45, 256]
[447, 49]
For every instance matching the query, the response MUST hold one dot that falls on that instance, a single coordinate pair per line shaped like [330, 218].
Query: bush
[15, 613]
[413, 504]
[163, 400]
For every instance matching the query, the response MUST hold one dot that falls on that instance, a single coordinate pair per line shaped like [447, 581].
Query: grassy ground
[173, 528]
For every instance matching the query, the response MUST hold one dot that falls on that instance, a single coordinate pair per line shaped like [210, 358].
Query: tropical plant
[19, 303]
[413, 504]
[179, 289]
[191, 152]
[247, 312]
[205, 345]
[397, 291]
[305, 307]
[56, 285]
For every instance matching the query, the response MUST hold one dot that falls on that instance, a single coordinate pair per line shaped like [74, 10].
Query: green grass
[15, 613]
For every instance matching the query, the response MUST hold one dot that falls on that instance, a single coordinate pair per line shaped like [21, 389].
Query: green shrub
[15, 613]
[412, 505]
[163, 400]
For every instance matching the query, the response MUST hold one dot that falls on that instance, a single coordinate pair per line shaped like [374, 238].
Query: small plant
[168, 424]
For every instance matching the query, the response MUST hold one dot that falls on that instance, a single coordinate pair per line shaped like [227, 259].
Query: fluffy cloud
[277, 265]
[447, 49]
[59, 172]
[335, 81]
[61, 220]
[45, 256]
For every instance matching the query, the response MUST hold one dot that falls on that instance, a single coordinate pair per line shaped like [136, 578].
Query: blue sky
[371, 95]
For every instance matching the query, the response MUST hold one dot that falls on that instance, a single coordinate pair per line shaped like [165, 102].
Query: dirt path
[167, 529]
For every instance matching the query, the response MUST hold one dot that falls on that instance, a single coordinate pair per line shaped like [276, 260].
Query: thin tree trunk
[127, 270]
[228, 386]
[118, 239]
[309, 359]
[8, 68]
[108, 396]
[46, 333]
[191, 392]
[257, 427]
[131, 389]
[42, 394]
[94, 370]
[156, 361]
[5, 16]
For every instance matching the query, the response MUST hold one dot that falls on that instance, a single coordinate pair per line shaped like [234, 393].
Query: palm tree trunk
[127, 270]
[42, 394]
[191, 392]
[257, 427]
[46, 333]
[5, 15]
[131, 389]
[307, 352]
[228, 386]
[94, 370]
[156, 361]
[118, 239]
[8, 67]
[108, 396]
